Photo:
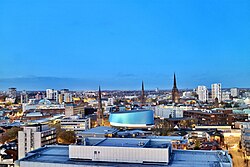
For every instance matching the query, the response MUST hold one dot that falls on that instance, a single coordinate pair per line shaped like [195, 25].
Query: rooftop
[101, 130]
[180, 158]
[126, 142]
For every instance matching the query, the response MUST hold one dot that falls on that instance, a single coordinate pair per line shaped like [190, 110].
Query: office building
[216, 92]
[33, 137]
[75, 123]
[202, 93]
[163, 111]
[74, 109]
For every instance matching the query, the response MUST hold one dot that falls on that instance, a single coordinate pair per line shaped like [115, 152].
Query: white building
[49, 93]
[170, 111]
[75, 123]
[216, 91]
[202, 93]
[225, 96]
[234, 92]
[33, 137]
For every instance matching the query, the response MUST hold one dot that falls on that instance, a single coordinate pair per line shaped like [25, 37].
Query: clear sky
[80, 44]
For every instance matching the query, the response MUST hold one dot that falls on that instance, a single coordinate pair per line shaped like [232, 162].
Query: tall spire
[99, 110]
[175, 92]
[142, 94]
[175, 85]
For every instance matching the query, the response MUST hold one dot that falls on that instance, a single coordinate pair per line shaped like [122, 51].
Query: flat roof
[180, 158]
[126, 142]
[101, 130]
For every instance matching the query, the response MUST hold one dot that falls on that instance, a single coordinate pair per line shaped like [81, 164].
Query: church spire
[175, 85]
[99, 110]
[142, 94]
[175, 92]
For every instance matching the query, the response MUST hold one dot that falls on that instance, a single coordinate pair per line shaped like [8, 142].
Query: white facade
[75, 123]
[225, 96]
[202, 93]
[49, 93]
[33, 137]
[216, 91]
[234, 92]
[170, 111]
[119, 154]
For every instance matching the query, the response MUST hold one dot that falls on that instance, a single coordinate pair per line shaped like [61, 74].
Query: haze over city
[117, 44]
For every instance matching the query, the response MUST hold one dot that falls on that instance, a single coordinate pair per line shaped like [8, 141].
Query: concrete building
[234, 92]
[170, 111]
[33, 137]
[123, 152]
[216, 92]
[75, 123]
[202, 93]
[74, 109]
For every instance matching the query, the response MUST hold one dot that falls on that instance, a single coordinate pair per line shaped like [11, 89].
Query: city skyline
[117, 44]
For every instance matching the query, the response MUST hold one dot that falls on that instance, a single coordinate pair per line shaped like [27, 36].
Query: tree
[10, 134]
[197, 145]
[66, 137]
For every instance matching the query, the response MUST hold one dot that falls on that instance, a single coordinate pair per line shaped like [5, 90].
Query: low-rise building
[74, 109]
[123, 152]
[76, 123]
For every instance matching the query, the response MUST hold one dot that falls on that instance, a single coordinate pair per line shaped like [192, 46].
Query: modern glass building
[132, 118]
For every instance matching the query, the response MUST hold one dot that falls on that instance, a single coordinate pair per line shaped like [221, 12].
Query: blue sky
[117, 44]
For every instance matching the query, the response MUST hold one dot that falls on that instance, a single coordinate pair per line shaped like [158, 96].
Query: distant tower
[142, 94]
[99, 110]
[175, 92]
